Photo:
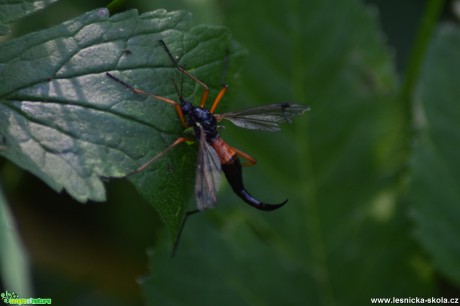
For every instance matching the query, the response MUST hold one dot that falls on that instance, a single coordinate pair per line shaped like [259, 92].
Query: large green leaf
[435, 166]
[64, 120]
[12, 10]
[342, 238]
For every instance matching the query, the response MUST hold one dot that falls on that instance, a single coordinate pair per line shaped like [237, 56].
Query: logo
[12, 298]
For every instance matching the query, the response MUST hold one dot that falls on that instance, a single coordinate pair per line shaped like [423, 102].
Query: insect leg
[149, 162]
[224, 86]
[205, 94]
[250, 161]
[220, 95]
[179, 233]
[141, 92]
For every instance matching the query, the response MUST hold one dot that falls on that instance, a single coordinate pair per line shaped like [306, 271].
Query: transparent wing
[207, 178]
[266, 117]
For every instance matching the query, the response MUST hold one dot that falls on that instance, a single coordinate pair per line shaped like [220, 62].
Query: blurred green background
[349, 157]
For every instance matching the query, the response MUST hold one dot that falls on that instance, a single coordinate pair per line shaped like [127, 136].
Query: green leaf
[435, 166]
[342, 238]
[64, 120]
[207, 47]
[12, 10]
[14, 263]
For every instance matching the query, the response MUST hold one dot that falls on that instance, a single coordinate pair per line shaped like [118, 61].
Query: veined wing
[266, 117]
[207, 177]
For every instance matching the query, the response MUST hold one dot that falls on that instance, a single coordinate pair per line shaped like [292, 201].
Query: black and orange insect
[214, 154]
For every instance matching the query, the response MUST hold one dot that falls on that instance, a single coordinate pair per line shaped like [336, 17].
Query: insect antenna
[205, 93]
[178, 91]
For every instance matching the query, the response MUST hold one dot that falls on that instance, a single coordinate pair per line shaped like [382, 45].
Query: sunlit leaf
[64, 120]
[12, 10]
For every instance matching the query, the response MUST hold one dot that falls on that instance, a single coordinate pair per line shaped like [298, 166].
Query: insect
[214, 154]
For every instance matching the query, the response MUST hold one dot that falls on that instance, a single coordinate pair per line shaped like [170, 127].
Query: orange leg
[141, 92]
[250, 161]
[223, 88]
[220, 95]
[205, 94]
[148, 163]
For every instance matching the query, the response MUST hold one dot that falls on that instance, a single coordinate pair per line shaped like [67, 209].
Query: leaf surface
[435, 167]
[64, 120]
[12, 10]
[343, 237]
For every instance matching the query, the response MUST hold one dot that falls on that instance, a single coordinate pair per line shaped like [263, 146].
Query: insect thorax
[202, 118]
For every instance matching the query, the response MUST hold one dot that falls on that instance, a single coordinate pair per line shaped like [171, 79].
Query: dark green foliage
[371, 172]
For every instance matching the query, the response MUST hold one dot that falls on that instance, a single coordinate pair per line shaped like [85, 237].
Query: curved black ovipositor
[233, 173]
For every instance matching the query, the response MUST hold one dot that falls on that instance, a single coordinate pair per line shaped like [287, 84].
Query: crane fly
[214, 154]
